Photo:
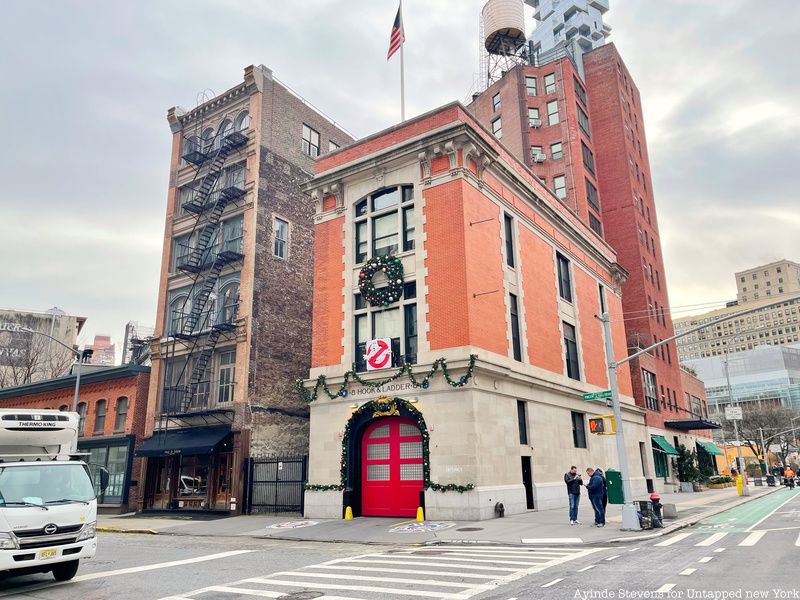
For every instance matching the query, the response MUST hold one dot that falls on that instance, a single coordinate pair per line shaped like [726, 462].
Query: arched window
[82, 418]
[100, 416]
[178, 310]
[190, 144]
[122, 414]
[242, 121]
[230, 302]
[207, 138]
[208, 314]
[63, 408]
[225, 129]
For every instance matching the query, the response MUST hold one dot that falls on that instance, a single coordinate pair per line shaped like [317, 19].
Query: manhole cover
[470, 529]
[301, 596]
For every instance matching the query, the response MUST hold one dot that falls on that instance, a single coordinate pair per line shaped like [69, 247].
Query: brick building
[501, 281]
[112, 404]
[232, 330]
[575, 118]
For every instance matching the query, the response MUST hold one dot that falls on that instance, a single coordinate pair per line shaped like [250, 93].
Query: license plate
[48, 553]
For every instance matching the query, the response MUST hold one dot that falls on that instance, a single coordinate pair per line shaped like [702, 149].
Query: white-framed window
[556, 150]
[397, 323]
[497, 128]
[332, 146]
[226, 372]
[560, 186]
[552, 113]
[550, 83]
[496, 102]
[533, 117]
[530, 86]
[229, 296]
[310, 141]
[281, 231]
[385, 223]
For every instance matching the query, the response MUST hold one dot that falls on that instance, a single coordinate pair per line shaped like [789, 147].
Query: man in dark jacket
[574, 483]
[605, 488]
[595, 491]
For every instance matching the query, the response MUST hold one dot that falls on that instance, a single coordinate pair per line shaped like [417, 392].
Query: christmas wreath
[393, 268]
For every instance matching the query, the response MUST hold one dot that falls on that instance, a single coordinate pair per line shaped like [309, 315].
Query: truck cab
[48, 506]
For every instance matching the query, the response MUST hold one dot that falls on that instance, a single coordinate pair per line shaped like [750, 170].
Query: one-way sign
[597, 395]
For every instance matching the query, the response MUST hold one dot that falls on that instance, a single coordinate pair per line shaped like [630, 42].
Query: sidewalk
[533, 527]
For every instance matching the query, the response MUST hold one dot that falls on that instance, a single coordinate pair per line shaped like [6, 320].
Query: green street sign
[597, 395]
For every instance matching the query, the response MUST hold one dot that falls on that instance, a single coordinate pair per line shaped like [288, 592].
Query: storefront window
[115, 459]
[193, 480]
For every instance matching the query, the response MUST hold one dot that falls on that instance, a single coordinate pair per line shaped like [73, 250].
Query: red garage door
[391, 468]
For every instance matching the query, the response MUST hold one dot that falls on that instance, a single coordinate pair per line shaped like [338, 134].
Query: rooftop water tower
[502, 31]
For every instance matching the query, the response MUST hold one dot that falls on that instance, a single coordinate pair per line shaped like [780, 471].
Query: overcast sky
[85, 86]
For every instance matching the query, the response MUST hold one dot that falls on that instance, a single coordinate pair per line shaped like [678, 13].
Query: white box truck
[48, 505]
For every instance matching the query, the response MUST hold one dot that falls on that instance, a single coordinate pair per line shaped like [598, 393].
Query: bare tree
[772, 419]
[27, 357]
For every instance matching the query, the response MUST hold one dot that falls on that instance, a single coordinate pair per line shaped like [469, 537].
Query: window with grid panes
[552, 113]
[550, 83]
[398, 323]
[310, 141]
[530, 86]
[385, 223]
[556, 151]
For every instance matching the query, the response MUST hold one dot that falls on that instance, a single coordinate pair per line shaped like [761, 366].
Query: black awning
[689, 424]
[196, 440]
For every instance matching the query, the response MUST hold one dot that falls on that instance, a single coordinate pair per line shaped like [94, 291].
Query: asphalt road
[747, 552]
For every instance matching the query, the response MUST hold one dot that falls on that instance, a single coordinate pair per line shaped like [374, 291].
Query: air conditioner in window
[535, 123]
[538, 158]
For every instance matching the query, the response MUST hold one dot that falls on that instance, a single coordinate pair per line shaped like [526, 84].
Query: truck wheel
[65, 571]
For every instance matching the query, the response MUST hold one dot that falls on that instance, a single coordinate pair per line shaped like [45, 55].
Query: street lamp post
[78, 355]
[740, 462]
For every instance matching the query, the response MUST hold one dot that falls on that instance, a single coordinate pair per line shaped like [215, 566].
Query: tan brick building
[767, 281]
[232, 330]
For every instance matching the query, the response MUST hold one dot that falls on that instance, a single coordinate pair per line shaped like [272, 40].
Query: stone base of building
[475, 505]
[323, 504]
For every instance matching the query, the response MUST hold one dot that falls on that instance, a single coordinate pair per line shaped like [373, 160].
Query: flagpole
[402, 73]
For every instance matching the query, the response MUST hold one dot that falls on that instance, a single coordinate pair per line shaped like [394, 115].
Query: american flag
[398, 36]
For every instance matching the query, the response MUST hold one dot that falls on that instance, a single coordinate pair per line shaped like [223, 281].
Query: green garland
[386, 405]
[314, 487]
[393, 267]
[424, 383]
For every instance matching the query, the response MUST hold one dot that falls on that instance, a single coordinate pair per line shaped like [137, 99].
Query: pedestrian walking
[595, 491]
[574, 483]
[605, 489]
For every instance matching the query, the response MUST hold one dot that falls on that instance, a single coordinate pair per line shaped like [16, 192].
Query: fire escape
[202, 258]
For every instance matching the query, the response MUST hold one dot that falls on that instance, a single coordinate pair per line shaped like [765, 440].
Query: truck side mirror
[103, 479]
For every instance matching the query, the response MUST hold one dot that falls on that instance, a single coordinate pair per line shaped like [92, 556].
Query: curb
[123, 530]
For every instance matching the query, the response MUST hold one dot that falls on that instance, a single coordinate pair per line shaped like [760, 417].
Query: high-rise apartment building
[576, 119]
[234, 308]
[767, 281]
[776, 287]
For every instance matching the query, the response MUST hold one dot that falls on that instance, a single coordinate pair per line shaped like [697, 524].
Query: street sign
[597, 395]
[733, 413]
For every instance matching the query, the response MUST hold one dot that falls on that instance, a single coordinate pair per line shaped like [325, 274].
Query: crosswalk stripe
[676, 538]
[712, 539]
[353, 588]
[515, 551]
[497, 557]
[406, 580]
[246, 591]
[753, 538]
[665, 588]
[433, 564]
[460, 558]
[687, 571]
[409, 571]
[706, 559]
[555, 581]
[797, 543]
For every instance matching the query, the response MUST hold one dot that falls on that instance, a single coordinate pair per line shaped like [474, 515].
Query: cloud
[85, 93]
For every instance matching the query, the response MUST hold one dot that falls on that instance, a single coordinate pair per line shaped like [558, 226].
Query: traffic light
[602, 425]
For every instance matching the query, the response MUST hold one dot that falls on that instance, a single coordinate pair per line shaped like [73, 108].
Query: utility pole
[740, 462]
[630, 520]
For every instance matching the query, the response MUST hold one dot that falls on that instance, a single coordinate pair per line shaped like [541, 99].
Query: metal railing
[205, 395]
[197, 150]
[191, 258]
[180, 320]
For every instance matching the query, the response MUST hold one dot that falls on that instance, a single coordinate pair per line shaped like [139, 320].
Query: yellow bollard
[348, 514]
[420, 514]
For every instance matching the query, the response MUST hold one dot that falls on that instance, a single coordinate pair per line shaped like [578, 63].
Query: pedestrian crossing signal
[603, 425]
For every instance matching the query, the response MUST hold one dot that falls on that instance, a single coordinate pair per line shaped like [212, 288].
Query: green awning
[710, 447]
[661, 442]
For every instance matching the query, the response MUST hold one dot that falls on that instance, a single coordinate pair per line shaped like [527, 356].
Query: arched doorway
[392, 474]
